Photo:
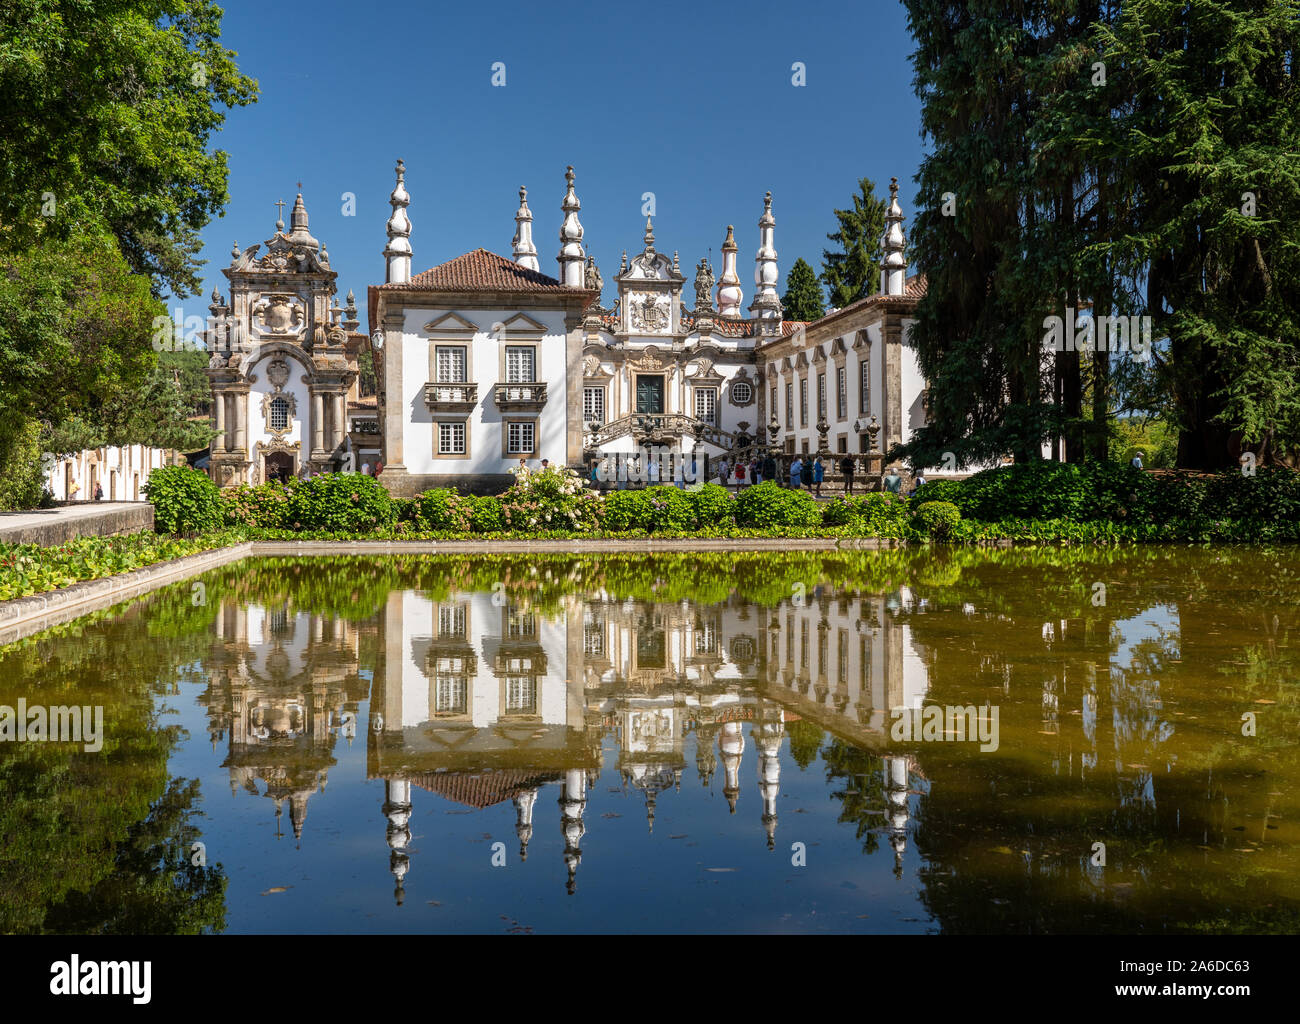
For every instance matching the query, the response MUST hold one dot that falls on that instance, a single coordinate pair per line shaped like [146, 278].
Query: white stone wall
[300, 418]
[484, 425]
[121, 471]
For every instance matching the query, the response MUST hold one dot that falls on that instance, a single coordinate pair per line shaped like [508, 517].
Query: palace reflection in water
[480, 700]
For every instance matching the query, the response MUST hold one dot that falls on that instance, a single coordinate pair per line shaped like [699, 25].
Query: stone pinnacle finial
[572, 257]
[524, 251]
[397, 253]
[649, 235]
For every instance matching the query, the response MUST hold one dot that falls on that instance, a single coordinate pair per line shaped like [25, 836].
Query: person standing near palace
[846, 468]
[818, 474]
[806, 473]
[796, 473]
[893, 482]
[769, 468]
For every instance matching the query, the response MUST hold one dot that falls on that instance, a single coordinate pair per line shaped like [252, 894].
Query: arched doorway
[278, 465]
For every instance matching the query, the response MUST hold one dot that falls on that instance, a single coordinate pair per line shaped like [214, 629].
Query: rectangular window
[864, 393]
[451, 621]
[772, 410]
[821, 395]
[803, 644]
[841, 392]
[451, 364]
[842, 657]
[521, 696]
[519, 438]
[449, 696]
[803, 401]
[593, 405]
[451, 439]
[706, 405]
[521, 366]
[520, 625]
[789, 405]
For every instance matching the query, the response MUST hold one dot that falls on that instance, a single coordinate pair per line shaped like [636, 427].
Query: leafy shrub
[485, 514]
[184, 500]
[872, 515]
[939, 490]
[555, 498]
[768, 504]
[341, 502]
[669, 509]
[936, 519]
[406, 510]
[627, 510]
[443, 511]
[715, 508]
[265, 506]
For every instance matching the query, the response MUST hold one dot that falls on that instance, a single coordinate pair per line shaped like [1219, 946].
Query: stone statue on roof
[703, 285]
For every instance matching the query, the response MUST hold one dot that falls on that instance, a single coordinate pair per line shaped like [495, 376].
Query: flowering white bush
[554, 498]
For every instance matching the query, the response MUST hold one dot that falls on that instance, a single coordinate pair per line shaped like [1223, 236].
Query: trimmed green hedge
[185, 500]
[769, 504]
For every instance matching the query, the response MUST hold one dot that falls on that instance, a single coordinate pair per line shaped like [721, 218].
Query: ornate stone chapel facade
[485, 360]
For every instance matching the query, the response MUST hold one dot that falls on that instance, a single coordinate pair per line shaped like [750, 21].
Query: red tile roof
[481, 789]
[481, 270]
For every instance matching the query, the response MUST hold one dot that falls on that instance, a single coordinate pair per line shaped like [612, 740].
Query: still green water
[670, 744]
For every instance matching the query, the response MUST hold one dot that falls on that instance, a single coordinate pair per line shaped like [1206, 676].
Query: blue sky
[691, 101]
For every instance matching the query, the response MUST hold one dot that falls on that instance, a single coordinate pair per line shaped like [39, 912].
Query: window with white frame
[864, 393]
[841, 392]
[789, 405]
[803, 401]
[742, 393]
[821, 394]
[772, 410]
[521, 365]
[519, 438]
[451, 364]
[706, 405]
[593, 405]
[451, 439]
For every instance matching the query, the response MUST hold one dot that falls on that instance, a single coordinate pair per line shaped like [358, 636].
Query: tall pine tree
[852, 271]
[803, 293]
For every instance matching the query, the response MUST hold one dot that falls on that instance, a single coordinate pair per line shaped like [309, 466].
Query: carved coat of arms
[650, 313]
[278, 314]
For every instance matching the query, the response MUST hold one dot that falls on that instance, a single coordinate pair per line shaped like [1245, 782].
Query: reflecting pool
[1094, 741]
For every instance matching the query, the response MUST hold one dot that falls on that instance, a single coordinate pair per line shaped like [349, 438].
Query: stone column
[394, 396]
[891, 383]
[223, 442]
[317, 421]
[241, 419]
[340, 419]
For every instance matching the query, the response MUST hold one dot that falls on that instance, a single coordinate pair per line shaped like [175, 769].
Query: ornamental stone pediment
[451, 324]
[522, 323]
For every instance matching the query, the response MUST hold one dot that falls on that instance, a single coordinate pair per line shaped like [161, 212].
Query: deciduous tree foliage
[106, 176]
[106, 110]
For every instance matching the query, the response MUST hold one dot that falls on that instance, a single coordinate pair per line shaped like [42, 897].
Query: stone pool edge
[24, 616]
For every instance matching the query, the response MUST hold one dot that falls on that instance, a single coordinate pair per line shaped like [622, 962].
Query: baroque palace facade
[483, 361]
